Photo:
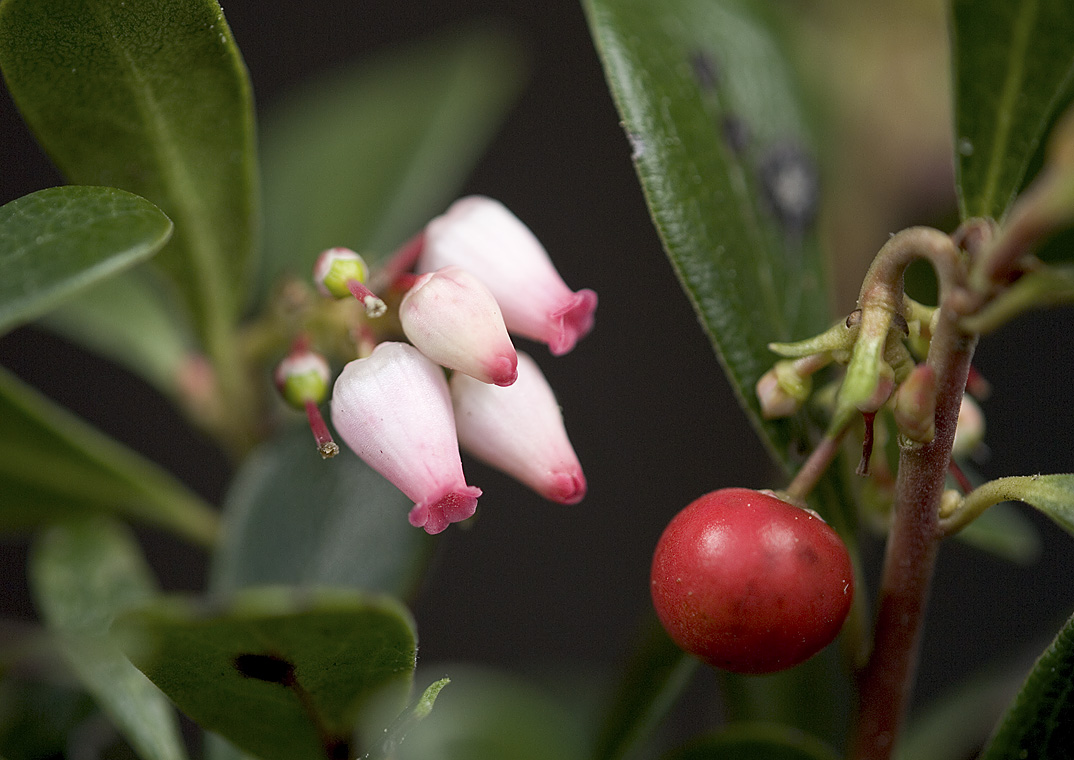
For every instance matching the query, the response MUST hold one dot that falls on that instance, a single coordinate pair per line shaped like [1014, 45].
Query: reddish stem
[885, 683]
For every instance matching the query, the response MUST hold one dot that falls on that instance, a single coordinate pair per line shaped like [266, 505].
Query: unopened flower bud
[885, 384]
[393, 408]
[302, 379]
[484, 238]
[340, 272]
[915, 405]
[775, 401]
[970, 430]
[519, 430]
[452, 318]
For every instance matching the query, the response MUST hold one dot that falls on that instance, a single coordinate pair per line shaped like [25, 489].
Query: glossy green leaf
[53, 466]
[131, 320]
[654, 679]
[722, 149]
[83, 574]
[279, 673]
[366, 157]
[152, 98]
[294, 518]
[1040, 722]
[485, 715]
[1013, 70]
[56, 242]
[755, 741]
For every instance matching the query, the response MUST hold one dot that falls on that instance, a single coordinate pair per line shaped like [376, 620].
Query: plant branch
[885, 682]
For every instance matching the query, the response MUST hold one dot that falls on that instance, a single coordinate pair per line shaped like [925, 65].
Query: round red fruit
[750, 583]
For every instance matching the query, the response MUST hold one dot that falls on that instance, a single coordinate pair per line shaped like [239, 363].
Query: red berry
[750, 583]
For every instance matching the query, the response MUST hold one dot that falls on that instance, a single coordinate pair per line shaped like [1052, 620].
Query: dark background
[653, 421]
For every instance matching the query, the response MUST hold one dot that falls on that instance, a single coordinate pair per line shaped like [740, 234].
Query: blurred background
[530, 584]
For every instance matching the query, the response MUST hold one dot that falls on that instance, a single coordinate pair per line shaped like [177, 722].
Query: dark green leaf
[813, 697]
[152, 98]
[281, 674]
[54, 243]
[728, 169]
[755, 741]
[130, 319]
[485, 715]
[1040, 723]
[294, 518]
[656, 676]
[1013, 70]
[37, 717]
[83, 574]
[364, 159]
[955, 726]
[1004, 531]
[53, 465]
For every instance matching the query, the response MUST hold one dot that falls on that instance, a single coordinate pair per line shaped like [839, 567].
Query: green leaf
[82, 575]
[131, 320]
[657, 674]
[755, 741]
[366, 157]
[1051, 494]
[279, 673]
[56, 242]
[1040, 722]
[152, 98]
[1013, 70]
[294, 518]
[37, 716]
[487, 715]
[721, 147]
[53, 466]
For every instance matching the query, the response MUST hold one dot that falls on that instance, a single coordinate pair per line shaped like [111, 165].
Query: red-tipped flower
[453, 319]
[519, 430]
[484, 238]
[393, 408]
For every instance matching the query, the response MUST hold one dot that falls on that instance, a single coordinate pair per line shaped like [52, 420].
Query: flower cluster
[479, 276]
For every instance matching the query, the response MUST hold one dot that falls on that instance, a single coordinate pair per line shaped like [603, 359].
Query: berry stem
[885, 683]
[810, 473]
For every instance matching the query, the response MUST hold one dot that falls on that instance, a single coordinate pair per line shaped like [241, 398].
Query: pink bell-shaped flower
[454, 320]
[393, 408]
[484, 238]
[519, 430]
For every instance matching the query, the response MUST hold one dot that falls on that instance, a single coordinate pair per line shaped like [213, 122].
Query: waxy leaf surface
[152, 98]
[57, 242]
[54, 465]
[1013, 72]
[727, 164]
[83, 573]
[294, 518]
[281, 674]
